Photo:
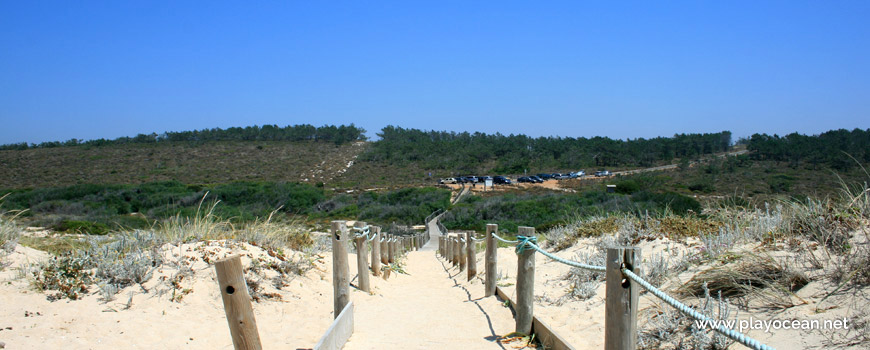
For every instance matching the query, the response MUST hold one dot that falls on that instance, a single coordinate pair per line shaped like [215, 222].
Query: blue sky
[625, 70]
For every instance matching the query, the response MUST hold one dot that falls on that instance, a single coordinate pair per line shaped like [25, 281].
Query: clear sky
[82, 69]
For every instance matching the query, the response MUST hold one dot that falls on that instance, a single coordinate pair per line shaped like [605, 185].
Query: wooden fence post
[620, 318]
[455, 251]
[376, 251]
[462, 255]
[472, 256]
[237, 303]
[340, 274]
[362, 263]
[525, 285]
[392, 248]
[444, 247]
[385, 249]
[491, 260]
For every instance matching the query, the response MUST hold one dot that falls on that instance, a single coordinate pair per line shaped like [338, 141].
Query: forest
[303, 132]
[465, 152]
[833, 148]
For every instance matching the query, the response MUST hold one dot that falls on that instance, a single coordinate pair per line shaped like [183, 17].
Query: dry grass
[750, 275]
[10, 232]
[677, 227]
[122, 259]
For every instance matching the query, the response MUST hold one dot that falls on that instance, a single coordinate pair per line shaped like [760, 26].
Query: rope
[523, 241]
[730, 333]
[566, 261]
[503, 240]
[361, 231]
[526, 242]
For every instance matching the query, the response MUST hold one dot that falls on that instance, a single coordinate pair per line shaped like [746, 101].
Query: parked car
[603, 173]
[483, 179]
[525, 179]
[501, 180]
[560, 176]
[448, 180]
[543, 176]
[536, 179]
[467, 179]
[577, 174]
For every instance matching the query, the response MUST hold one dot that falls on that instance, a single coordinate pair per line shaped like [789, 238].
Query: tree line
[469, 152]
[832, 148]
[303, 132]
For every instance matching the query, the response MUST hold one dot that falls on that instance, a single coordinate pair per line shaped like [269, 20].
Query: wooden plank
[620, 303]
[339, 332]
[237, 303]
[548, 337]
[543, 331]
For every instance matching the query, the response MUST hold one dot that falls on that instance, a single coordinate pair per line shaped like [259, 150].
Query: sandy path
[431, 308]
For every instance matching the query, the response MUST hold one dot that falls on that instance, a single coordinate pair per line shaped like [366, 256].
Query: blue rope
[529, 241]
[503, 240]
[524, 241]
[566, 261]
[730, 333]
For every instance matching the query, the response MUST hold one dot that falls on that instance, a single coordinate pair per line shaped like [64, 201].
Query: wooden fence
[386, 249]
[620, 300]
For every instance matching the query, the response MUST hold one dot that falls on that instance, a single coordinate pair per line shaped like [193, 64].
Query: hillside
[187, 162]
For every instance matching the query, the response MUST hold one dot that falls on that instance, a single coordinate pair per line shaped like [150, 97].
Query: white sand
[432, 307]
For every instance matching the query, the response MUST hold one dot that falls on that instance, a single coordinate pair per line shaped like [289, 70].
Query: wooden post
[491, 260]
[472, 256]
[237, 303]
[376, 251]
[340, 274]
[449, 249]
[448, 252]
[392, 248]
[525, 285]
[385, 249]
[362, 263]
[455, 248]
[462, 254]
[443, 247]
[440, 246]
[620, 303]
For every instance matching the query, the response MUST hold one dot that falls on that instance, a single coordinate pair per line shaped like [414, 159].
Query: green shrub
[83, 227]
[67, 274]
[627, 186]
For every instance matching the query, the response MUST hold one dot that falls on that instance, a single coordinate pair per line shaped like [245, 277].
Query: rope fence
[620, 300]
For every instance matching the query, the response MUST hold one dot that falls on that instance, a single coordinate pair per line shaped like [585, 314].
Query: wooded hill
[400, 157]
[304, 132]
[497, 153]
[835, 148]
